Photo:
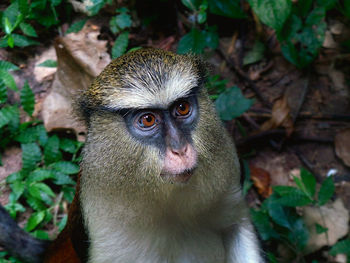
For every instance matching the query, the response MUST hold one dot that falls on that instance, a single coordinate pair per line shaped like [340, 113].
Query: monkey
[160, 178]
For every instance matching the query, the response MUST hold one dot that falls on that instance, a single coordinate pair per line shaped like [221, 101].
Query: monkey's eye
[147, 121]
[182, 109]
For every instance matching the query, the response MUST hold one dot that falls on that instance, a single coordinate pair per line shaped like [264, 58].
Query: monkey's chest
[171, 244]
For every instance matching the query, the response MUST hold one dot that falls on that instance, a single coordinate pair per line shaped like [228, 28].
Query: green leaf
[66, 167]
[229, 8]
[27, 135]
[76, 26]
[123, 20]
[62, 179]
[31, 155]
[19, 41]
[263, 224]
[194, 41]
[347, 8]
[35, 203]
[17, 189]
[23, 6]
[13, 208]
[320, 229]
[51, 150]
[34, 220]
[49, 63]
[300, 234]
[68, 193]
[27, 99]
[291, 196]
[277, 213]
[326, 191]
[308, 181]
[341, 247]
[68, 145]
[272, 12]
[247, 184]
[254, 55]
[40, 234]
[62, 223]
[211, 37]
[7, 66]
[3, 92]
[327, 4]
[231, 104]
[8, 80]
[39, 175]
[120, 44]
[191, 4]
[302, 8]
[8, 27]
[8, 114]
[10, 14]
[17, 176]
[95, 6]
[28, 30]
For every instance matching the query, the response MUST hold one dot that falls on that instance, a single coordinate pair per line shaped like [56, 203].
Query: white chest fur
[175, 244]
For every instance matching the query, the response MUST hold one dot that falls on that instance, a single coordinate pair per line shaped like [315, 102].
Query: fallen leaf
[280, 117]
[80, 58]
[333, 216]
[342, 146]
[262, 181]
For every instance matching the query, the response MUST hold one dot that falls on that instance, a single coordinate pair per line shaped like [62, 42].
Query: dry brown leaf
[262, 181]
[342, 146]
[80, 58]
[333, 216]
[280, 117]
[328, 41]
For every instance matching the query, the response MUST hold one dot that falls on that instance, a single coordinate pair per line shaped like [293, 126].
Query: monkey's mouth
[179, 178]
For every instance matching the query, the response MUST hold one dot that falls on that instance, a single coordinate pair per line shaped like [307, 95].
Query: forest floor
[300, 118]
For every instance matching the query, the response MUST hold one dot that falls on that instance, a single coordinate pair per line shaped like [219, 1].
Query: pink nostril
[181, 151]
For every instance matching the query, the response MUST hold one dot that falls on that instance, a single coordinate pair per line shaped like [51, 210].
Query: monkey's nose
[181, 151]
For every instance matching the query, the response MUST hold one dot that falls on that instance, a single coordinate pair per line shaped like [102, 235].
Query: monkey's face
[170, 130]
[151, 120]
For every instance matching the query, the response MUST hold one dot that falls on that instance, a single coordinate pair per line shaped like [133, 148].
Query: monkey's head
[151, 122]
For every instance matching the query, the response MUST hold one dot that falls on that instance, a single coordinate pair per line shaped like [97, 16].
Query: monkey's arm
[242, 245]
[18, 242]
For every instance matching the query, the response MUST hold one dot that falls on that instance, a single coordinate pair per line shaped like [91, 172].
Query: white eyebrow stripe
[137, 96]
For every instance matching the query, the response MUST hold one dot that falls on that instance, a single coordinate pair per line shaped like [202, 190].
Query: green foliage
[201, 35]
[272, 12]
[300, 27]
[341, 247]
[27, 99]
[229, 8]
[120, 44]
[278, 220]
[231, 104]
[120, 24]
[17, 17]
[49, 63]
[76, 26]
[48, 162]
[196, 40]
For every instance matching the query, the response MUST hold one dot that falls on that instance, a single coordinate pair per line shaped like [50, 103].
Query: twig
[245, 78]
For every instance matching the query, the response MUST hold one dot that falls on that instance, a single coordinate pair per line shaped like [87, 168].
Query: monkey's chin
[183, 177]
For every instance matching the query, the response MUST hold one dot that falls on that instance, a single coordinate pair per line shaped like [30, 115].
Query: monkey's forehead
[146, 78]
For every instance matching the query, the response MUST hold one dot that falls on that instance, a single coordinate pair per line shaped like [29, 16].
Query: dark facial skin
[165, 128]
